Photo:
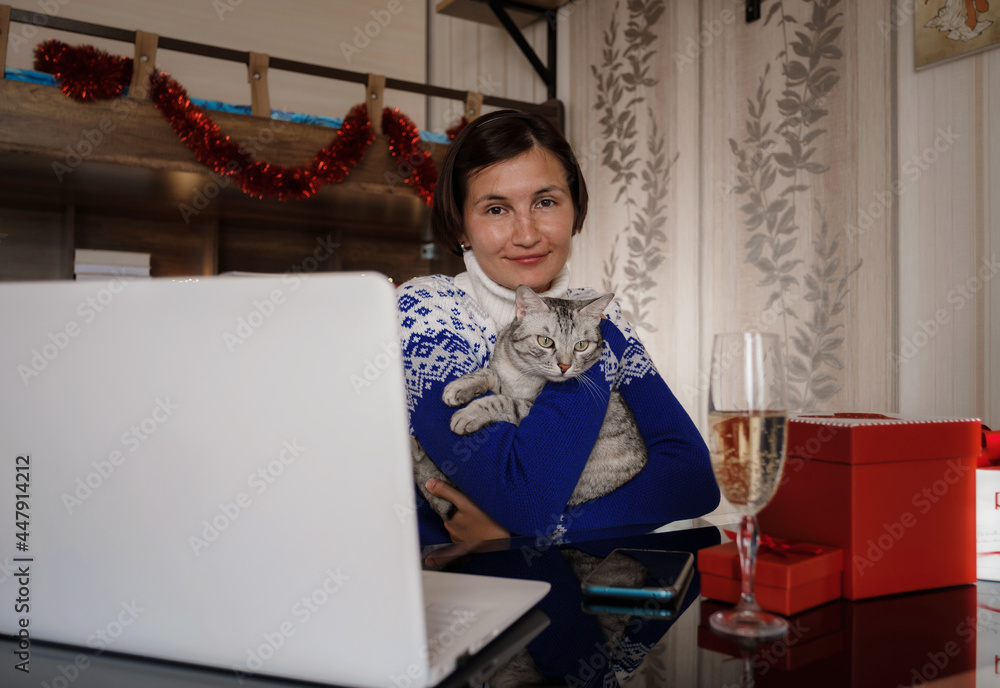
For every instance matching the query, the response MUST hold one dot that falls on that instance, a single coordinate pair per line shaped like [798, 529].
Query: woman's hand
[469, 523]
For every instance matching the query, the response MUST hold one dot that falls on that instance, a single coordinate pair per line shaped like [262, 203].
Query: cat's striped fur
[549, 340]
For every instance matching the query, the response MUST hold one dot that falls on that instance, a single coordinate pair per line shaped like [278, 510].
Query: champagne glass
[747, 411]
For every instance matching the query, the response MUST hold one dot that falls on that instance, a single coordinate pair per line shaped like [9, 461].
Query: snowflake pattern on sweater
[445, 334]
[433, 310]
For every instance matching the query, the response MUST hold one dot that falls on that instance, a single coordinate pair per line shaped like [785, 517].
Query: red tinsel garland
[84, 74]
[88, 74]
[404, 144]
[457, 128]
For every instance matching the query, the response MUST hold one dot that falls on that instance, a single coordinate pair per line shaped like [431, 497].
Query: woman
[509, 199]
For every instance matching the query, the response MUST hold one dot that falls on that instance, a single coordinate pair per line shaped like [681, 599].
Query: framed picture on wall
[948, 29]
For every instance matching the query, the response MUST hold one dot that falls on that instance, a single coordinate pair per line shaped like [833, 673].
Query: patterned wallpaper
[787, 175]
[773, 249]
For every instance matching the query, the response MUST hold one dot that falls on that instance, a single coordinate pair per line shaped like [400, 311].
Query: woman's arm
[677, 482]
[522, 476]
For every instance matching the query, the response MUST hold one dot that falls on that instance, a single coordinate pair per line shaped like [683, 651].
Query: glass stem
[746, 542]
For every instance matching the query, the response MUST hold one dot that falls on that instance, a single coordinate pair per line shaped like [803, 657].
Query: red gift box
[896, 494]
[785, 583]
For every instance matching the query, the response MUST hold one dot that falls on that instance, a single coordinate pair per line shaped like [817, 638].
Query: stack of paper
[90, 264]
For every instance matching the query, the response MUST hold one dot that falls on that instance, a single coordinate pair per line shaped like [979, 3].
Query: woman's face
[519, 219]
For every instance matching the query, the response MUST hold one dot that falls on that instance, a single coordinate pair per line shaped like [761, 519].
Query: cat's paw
[467, 420]
[461, 391]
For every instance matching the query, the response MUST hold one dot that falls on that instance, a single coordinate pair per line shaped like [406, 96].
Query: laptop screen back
[217, 470]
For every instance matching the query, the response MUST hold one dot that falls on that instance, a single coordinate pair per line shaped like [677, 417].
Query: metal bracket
[547, 73]
[428, 251]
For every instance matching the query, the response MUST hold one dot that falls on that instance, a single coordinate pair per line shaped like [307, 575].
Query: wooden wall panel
[252, 247]
[33, 244]
[176, 248]
[399, 260]
[475, 57]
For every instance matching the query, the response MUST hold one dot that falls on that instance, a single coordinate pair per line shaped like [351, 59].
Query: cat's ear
[595, 309]
[527, 301]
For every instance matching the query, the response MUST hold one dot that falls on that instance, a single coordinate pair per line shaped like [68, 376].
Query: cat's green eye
[545, 341]
[581, 346]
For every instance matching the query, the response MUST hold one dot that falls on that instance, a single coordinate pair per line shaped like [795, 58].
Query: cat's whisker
[592, 388]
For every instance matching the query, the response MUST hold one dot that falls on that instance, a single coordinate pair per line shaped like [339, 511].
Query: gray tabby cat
[549, 340]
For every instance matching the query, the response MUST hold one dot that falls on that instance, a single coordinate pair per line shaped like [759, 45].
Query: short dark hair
[490, 139]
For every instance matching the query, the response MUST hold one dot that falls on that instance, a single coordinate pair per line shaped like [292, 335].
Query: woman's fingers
[440, 488]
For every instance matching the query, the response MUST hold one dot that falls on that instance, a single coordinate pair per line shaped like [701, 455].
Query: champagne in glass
[747, 455]
[747, 412]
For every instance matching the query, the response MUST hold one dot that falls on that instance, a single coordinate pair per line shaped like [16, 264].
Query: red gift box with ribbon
[790, 576]
[896, 494]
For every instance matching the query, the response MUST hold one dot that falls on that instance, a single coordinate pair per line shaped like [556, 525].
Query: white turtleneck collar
[497, 300]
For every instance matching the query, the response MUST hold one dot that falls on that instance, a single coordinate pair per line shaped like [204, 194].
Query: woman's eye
[494, 210]
[546, 203]
[545, 342]
[581, 346]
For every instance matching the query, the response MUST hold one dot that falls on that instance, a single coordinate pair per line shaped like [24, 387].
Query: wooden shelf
[41, 120]
[481, 13]
[114, 175]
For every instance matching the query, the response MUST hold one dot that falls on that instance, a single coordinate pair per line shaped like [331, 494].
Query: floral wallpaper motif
[776, 162]
[640, 166]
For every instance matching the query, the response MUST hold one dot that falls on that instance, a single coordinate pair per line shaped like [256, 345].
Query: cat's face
[556, 339]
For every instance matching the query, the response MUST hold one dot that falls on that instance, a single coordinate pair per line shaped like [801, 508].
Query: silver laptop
[216, 471]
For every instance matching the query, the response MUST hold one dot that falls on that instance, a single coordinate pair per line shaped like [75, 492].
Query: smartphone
[640, 574]
[650, 608]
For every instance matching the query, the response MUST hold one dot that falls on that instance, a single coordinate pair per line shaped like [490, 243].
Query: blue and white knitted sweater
[523, 475]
